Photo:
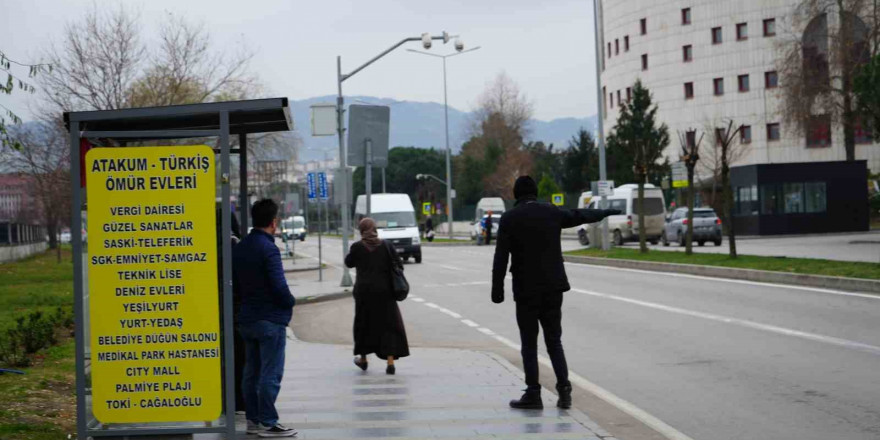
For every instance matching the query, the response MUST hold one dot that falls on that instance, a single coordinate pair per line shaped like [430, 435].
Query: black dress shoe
[564, 396]
[530, 400]
[390, 369]
[362, 364]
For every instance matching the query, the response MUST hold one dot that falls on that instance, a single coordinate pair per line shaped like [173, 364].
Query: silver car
[707, 227]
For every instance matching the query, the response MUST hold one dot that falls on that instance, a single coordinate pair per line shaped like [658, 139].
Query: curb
[763, 276]
[302, 269]
[321, 298]
[463, 243]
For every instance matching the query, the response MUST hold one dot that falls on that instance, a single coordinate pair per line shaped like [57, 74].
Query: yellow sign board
[558, 199]
[153, 290]
[679, 183]
[426, 208]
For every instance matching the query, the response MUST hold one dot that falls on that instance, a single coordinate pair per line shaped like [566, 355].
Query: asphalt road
[712, 359]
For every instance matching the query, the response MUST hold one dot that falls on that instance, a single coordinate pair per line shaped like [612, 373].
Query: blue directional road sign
[312, 186]
[322, 186]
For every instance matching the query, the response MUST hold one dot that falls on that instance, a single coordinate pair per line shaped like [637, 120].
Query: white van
[625, 227]
[396, 221]
[294, 228]
[486, 204]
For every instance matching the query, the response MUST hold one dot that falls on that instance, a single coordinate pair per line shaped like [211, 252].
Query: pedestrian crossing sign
[558, 199]
[426, 208]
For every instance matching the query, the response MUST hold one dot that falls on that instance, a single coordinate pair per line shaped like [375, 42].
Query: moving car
[707, 227]
[625, 226]
[395, 220]
[477, 227]
[294, 228]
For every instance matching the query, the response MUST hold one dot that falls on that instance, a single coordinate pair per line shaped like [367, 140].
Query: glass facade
[792, 198]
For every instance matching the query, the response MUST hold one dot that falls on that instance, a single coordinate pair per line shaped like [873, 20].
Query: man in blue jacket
[266, 309]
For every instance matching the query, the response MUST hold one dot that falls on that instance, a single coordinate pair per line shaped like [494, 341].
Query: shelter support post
[243, 202]
[226, 238]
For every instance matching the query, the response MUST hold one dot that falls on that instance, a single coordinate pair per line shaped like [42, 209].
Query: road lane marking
[449, 267]
[846, 343]
[449, 312]
[418, 300]
[729, 280]
[639, 414]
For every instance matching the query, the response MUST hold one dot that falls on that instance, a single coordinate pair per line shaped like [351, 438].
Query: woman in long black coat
[378, 325]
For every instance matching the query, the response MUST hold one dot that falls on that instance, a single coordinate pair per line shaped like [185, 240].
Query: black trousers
[545, 310]
[239, 369]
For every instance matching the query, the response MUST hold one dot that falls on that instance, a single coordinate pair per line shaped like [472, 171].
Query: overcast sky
[545, 46]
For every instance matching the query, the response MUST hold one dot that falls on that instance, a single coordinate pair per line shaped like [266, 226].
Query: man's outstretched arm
[577, 217]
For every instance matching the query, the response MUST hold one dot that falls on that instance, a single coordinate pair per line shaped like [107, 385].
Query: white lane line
[449, 312]
[846, 343]
[729, 280]
[621, 404]
[420, 300]
[449, 267]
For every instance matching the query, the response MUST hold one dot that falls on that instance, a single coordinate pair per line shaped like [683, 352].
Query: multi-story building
[710, 61]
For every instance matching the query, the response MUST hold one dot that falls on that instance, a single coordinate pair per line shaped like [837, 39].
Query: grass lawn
[40, 404]
[776, 264]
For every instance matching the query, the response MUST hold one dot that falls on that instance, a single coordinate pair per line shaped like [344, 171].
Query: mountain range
[420, 124]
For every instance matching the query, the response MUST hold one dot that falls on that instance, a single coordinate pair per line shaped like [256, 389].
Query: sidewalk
[437, 393]
[306, 286]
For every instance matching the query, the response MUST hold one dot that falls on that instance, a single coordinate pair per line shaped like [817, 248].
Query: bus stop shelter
[215, 122]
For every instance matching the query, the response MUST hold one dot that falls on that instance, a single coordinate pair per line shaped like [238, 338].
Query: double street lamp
[460, 48]
[426, 40]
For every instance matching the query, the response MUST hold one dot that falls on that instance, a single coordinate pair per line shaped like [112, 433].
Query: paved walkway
[436, 393]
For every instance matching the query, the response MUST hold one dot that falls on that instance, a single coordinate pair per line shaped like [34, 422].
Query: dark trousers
[264, 368]
[239, 369]
[545, 310]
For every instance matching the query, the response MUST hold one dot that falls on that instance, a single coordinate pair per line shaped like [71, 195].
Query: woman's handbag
[399, 285]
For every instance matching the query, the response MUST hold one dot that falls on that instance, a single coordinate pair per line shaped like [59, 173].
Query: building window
[742, 82]
[716, 35]
[616, 46]
[626, 43]
[719, 136]
[745, 134]
[718, 86]
[605, 102]
[793, 194]
[609, 49]
[771, 200]
[742, 31]
[611, 99]
[691, 138]
[645, 61]
[687, 53]
[816, 197]
[643, 26]
[773, 131]
[686, 16]
[864, 132]
[771, 79]
[688, 90]
[769, 27]
[628, 94]
[619, 102]
[819, 131]
[746, 200]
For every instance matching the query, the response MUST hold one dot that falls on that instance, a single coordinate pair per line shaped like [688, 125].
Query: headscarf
[369, 234]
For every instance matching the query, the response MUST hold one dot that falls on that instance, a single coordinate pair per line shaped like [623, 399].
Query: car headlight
[416, 240]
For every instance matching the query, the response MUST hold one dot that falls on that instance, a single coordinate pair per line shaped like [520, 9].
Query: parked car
[625, 226]
[707, 227]
[395, 221]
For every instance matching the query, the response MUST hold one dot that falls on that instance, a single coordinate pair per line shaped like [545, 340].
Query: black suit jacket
[529, 235]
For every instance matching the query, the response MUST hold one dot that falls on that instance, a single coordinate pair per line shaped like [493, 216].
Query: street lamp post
[450, 219]
[603, 174]
[426, 40]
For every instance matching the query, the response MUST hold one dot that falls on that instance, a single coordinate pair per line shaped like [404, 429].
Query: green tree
[546, 188]
[545, 161]
[580, 163]
[867, 89]
[14, 80]
[404, 163]
[638, 135]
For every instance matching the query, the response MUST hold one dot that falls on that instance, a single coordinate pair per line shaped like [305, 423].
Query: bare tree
[820, 55]
[726, 140]
[713, 157]
[690, 155]
[45, 160]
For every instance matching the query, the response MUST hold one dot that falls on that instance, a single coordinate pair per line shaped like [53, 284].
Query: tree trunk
[643, 247]
[849, 129]
[689, 249]
[727, 197]
[52, 230]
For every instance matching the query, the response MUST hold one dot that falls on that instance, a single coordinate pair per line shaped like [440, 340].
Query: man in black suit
[529, 235]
